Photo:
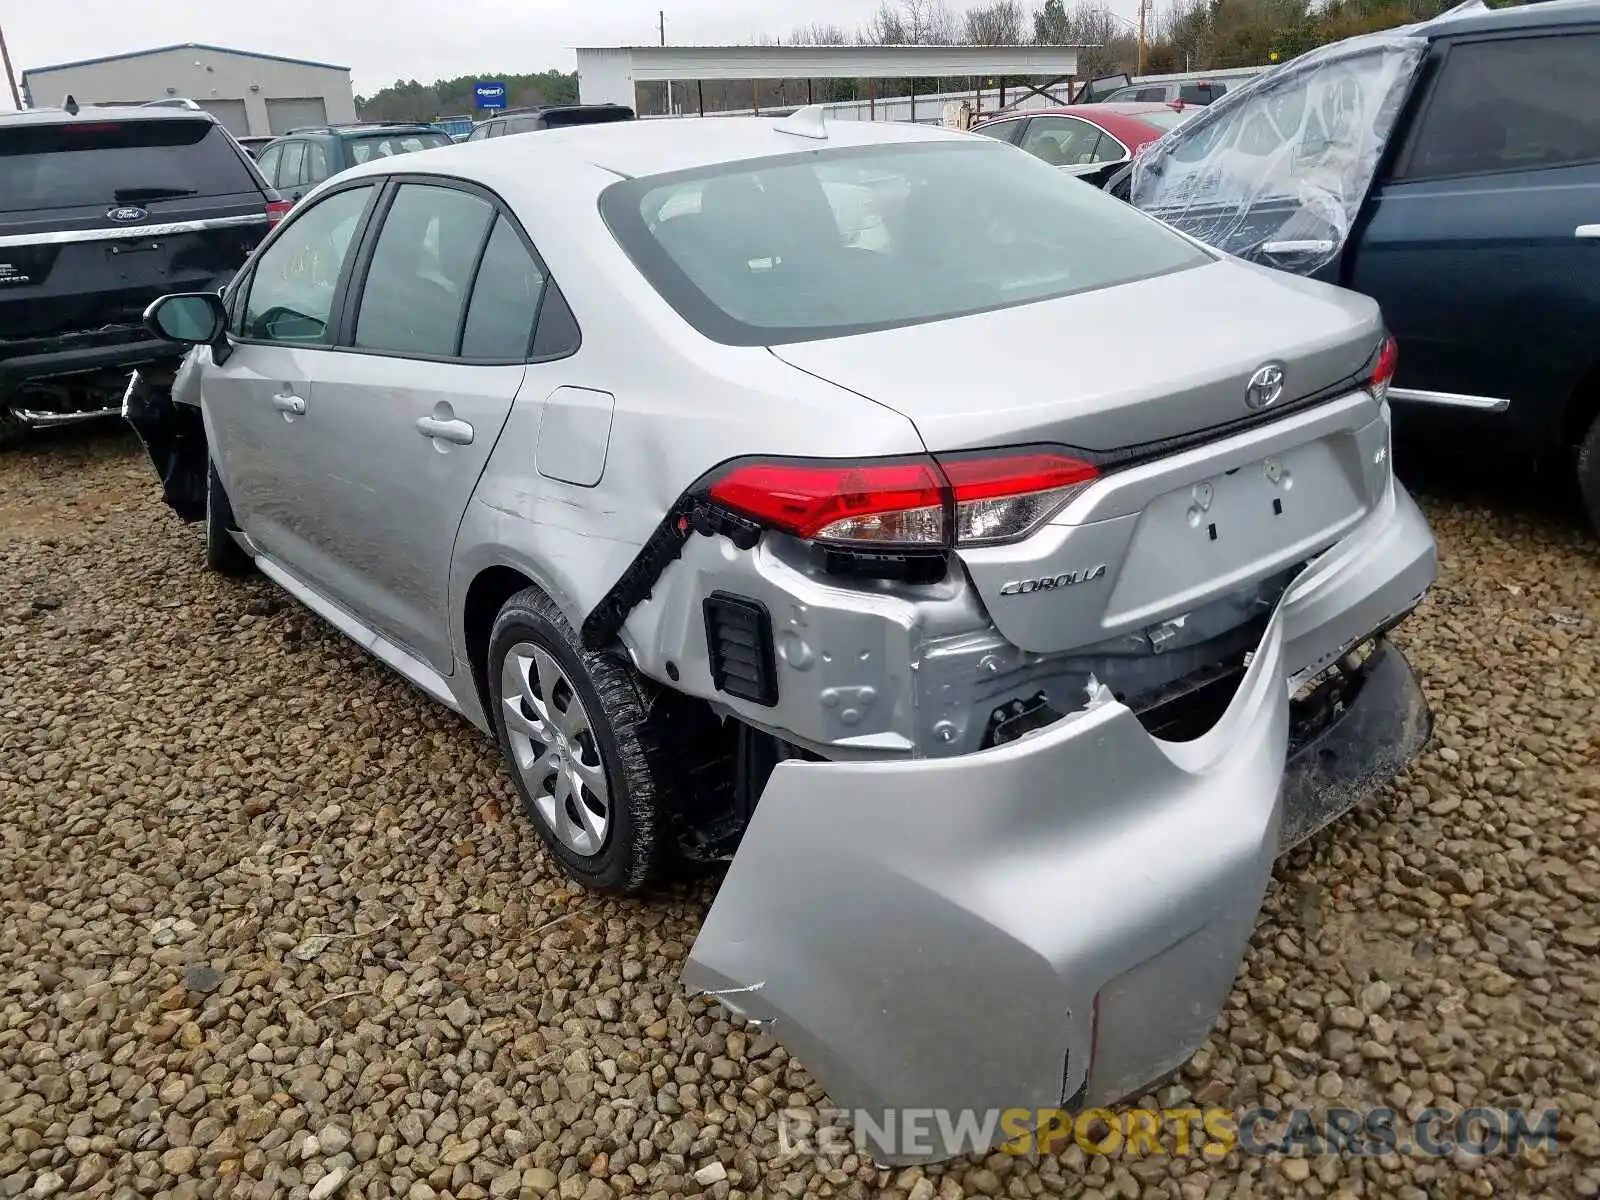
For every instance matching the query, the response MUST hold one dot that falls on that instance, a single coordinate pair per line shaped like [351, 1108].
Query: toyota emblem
[1265, 388]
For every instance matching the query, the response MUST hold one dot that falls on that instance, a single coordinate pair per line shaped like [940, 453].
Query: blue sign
[489, 93]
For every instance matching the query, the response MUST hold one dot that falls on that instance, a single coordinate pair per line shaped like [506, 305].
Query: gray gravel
[273, 927]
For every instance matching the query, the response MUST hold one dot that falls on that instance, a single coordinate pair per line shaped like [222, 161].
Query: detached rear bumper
[1054, 922]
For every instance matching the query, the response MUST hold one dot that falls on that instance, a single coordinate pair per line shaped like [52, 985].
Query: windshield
[371, 146]
[116, 162]
[837, 242]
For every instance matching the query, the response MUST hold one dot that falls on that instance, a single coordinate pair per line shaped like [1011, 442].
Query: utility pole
[661, 17]
[11, 80]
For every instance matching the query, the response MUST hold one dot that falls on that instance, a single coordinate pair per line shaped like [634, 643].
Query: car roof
[1542, 15]
[100, 113]
[628, 149]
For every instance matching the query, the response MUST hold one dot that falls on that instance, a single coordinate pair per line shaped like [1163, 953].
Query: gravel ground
[273, 926]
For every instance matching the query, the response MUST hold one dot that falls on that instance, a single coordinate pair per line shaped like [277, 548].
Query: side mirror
[194, 318]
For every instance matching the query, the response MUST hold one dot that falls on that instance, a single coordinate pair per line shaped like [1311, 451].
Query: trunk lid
[1152, 360]
[1170, 543]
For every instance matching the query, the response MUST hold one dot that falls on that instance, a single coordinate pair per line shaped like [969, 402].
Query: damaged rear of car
[998, 648]
[1054, 694]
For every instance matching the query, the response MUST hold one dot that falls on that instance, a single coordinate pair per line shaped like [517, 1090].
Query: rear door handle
[1587, 231]
[290, 404]
[449, 430]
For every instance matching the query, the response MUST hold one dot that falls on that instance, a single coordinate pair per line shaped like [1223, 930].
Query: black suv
[102, 210]
[303, 158]
[549, 116]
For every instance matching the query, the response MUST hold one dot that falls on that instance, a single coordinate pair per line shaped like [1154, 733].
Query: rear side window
[1200, 93]
[316, 162]
[1151, 95]
[421, 270]
[1512, 105]
[505, 299]
[104, 163]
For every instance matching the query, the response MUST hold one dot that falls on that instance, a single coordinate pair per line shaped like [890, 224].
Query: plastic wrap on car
[1289, 157]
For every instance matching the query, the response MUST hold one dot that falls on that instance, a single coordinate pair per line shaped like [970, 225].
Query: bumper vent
[739, 638]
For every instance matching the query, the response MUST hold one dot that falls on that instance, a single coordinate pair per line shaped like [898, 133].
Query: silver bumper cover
[1055, 922]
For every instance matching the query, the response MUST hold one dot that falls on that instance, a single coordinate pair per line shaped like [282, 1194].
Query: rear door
[99, 218]
[433, 350]
[256, 402]
[1484, 248]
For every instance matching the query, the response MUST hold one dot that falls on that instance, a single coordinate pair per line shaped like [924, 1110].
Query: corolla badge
[1265, 387]
[128, 212]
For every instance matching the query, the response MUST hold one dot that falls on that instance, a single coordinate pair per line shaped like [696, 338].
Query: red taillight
[1383, 371]
[894, 502]
[991, 497]
[277, 210]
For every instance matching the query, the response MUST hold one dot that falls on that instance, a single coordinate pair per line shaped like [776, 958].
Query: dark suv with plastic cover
[102, 210]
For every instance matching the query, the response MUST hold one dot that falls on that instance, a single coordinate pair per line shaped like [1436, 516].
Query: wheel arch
[485, 596]
[1583, 407]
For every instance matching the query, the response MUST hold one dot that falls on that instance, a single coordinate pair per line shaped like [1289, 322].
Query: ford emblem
[130, 212]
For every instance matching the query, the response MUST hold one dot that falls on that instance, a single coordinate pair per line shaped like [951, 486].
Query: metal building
[611, 73]
[249, 93]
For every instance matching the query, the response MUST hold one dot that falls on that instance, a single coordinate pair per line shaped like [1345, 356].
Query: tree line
[1185, 35]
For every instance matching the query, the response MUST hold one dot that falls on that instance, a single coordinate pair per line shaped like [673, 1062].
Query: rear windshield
[367, 147]
[837, 242]
[117, 162]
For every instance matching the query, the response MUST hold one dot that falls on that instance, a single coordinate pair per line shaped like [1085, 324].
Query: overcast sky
[404, 39]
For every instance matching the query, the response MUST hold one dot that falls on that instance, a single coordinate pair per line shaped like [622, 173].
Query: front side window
[505, 299]
[417, 285]
[835, 242]
[1512, 105]
[296, 277]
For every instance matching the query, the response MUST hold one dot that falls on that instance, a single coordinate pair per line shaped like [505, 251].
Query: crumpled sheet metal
[1287, 158]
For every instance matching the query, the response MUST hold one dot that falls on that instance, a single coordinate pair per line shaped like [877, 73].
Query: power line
[11, 80]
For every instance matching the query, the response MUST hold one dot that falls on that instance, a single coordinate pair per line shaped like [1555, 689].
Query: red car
[1090, 140]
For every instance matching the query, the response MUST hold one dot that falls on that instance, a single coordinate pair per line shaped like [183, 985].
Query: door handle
[291, 404]
[1305, 246]
[448, 430]
[1591, 232]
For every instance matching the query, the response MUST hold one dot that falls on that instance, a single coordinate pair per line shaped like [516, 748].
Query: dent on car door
[409, 407]
[1277, 171]
[1476, 247]
[256, 402]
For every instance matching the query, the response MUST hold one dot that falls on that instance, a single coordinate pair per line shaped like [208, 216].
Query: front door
[257, 403]
[408, 411]
[1484, 248]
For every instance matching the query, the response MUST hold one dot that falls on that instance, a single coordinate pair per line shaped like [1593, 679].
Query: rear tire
[1589, 472]
[223, 555]
[577, 741]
